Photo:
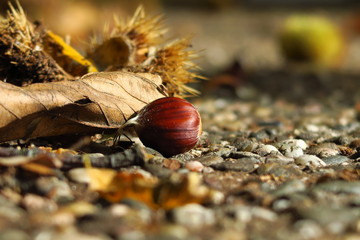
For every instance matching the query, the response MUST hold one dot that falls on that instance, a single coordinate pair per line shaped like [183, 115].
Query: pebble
[292, 147]
[281, 205]
[157, 170]
[119, 210]
[194, 166]
[324, 150]
[292, 143]
[307, 135]
[172, 231]
[265, 149]
[171, 164]
[343, 140]
[311, 161]
[248, 213]
[193, 216]
[10, 212]
[223, 152]
[246, 164]
[290, 187]
[334, 219]
[209, 160]
[308, 229]
[54, 188]
[262, 134]
[245, 144]
[79, 175]
[339, 187]
[278, 158]
[240, 154]
[336, 160]
[284, 171]
[35, 202]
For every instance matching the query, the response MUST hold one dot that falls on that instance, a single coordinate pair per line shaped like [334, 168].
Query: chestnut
[170, 125]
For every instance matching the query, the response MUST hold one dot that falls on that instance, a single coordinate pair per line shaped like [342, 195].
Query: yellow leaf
[67, 53]
[100, 179]
[131, 185]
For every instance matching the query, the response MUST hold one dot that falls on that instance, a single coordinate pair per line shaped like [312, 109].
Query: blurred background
[239, 40]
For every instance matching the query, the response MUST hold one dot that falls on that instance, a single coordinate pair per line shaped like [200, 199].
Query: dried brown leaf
[176, 191]
[94, 103]
[100, 179]
[131, 185]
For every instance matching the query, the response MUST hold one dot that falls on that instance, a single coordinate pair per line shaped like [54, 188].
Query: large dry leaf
[94, 103]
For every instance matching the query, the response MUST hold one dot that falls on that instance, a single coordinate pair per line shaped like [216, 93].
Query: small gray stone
[334, 219]
[10, 212]
[209, 160]
[193, 216]
[336, 160]
[54, 188]
[223, 152]
[248, 213]
[79, 175]
[278, 158]
[266, 149]
[240, 154]
[281, 204]
[292, 143]
[285, 171]
[245, 144]
[246, 164]
[171, 232]
[292, 147]
[307, 160]
[308, 229]
[324, 150]
[339, 187]
[289, 188]
[260, 135]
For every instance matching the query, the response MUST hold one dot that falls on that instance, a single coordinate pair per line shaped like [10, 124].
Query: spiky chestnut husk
[139, 45]
[169, 125]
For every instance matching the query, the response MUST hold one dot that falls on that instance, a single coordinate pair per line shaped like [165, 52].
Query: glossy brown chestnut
[169, 125]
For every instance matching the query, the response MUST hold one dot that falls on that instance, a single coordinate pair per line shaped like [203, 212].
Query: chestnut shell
[169, 125]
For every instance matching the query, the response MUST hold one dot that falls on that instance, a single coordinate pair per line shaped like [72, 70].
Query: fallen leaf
[131, 185]
[179, 190]
[43, 164]
[66, 56]
[94, 103]
[99, 179]
[175, 191]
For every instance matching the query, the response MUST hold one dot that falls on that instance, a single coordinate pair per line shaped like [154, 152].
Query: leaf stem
[120, 131]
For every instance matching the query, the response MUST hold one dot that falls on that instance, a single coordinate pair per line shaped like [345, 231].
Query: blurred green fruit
[312, 40]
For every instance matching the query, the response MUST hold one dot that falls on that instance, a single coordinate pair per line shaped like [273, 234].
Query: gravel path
[266, 168]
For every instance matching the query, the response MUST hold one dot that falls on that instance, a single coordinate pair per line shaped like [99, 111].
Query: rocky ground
[278, 159]
[266, 168]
